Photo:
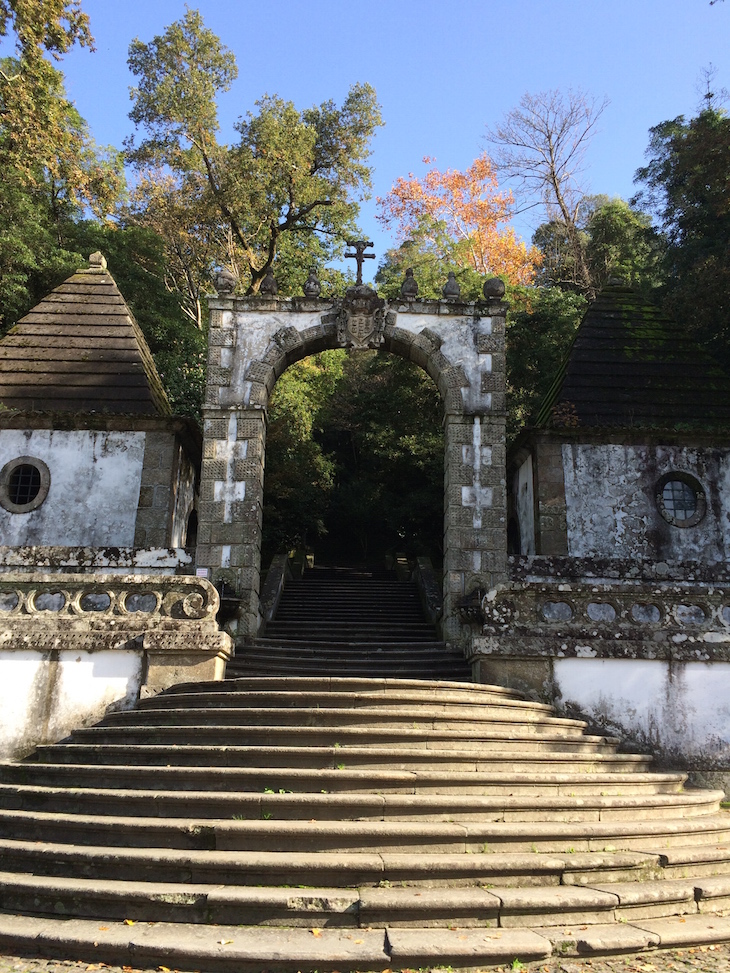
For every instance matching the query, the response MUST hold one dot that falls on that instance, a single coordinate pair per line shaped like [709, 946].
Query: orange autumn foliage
[461, 217]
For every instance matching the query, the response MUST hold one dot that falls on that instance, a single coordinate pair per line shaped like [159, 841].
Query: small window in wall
[24, 484]
[681, 499]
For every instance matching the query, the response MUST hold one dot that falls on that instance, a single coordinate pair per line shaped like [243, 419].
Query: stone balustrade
[608, 620]
[85, 645]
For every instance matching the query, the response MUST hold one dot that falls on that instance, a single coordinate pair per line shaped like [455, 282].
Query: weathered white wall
[680, 711]
[184, 499]
[525, 503]
[94, 491]
[46, 695]
[611, 508]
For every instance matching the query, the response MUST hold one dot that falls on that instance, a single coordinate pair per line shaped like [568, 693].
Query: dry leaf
[164, 969]
[129, 922]
[316, 932]
[225, 942]
[359, 941]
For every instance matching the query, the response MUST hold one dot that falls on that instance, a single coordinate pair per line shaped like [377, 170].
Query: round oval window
[681, 499]
[24, 484]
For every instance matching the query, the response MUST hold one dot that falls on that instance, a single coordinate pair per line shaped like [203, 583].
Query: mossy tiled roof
[631, 365]
[80, 350]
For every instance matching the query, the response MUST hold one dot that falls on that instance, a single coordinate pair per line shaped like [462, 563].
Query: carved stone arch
[254, 341]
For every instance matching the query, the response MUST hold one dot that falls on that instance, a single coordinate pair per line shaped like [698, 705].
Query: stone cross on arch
[359, 255]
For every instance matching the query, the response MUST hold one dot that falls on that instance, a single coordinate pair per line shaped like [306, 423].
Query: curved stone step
[271, 768]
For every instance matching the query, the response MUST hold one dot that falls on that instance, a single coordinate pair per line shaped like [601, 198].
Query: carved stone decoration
[451, 289]
[493, 288]
[268, 285]
[409, 287]
[361, 319]
[225, 282]
[312, 286]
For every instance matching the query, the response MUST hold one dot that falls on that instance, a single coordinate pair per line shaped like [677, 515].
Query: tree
[616, 240]
[542, 144]
[457, 220]
[687, 187]
[291, 174]
[540, 328]
[32, 117]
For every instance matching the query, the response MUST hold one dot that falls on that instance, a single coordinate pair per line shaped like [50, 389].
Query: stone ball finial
[268, 285]
[97, 262]
[409, 287]
[312, 286]
[493, 288]
[225, 282]
[451, 290]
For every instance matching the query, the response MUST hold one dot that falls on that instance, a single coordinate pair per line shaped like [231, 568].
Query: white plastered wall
[94, 490]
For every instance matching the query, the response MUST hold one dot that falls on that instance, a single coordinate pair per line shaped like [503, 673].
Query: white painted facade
[46, 695]
[94, 490]
[674, 709]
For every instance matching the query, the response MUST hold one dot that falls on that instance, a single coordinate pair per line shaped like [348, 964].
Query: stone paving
[703, 959]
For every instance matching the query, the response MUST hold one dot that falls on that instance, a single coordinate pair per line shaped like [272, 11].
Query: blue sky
[443, 71]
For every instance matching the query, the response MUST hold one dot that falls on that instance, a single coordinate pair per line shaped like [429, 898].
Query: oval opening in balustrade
[557, 611]
[9, 601]
[645, 613]
[142, 602]
[49, 601]
[690, 614]
[601, 611]
[95, 602]
[726, 614]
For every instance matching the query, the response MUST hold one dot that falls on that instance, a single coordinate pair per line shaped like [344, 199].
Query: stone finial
[409, 287]
[268, 285]
[451, 290]
[97, 263]
[312, 286]
[493, 289]
[225, 282]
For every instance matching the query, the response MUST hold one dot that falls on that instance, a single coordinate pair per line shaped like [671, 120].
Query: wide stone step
[337, 868]
[271, 666]
[498, 906]
[353, 684]
[106, 745]
[279, 805]
[271, 769]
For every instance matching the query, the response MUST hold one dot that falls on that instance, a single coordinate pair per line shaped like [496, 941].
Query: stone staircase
[323, 823]
[349, 623]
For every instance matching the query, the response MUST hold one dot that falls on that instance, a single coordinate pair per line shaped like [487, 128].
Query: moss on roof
[632, 365]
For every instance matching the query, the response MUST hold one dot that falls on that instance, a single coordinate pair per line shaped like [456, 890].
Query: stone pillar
[475, 477]
[231, 505]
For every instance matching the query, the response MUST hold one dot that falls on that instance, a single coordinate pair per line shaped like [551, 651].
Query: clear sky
[443, 71]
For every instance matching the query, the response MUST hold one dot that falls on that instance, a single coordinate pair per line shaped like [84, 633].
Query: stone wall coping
[648, 621]
[38, 559]
[323, 304]
[536, 568]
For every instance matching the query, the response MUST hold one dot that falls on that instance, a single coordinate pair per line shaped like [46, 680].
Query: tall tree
[542, 145]
[458, 220]
[687, 187]
[290, 174]
[616, 239]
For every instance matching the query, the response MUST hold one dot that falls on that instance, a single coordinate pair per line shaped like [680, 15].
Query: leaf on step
[225, 942]
[164, 969]
[359, 942]
[129, 922]
[316, 932]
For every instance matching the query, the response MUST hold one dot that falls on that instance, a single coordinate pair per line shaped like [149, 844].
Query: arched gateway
[254, 339]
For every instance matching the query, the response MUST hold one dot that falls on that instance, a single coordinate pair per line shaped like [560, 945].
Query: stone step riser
[315, 669]
[509, 765]
[476, 871]
[310, 780]
[202, 905]
[228, 695]
[279, 807]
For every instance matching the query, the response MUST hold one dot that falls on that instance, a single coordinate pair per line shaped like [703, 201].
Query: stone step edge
[339, 683]
[379, 777]
[452, 831]
[220, 949]
[451, 803]
[365, 906]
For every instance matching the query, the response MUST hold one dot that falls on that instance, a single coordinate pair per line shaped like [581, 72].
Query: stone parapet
[92, 560]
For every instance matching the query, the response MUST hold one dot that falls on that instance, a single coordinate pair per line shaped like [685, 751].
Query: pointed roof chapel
[80, 350]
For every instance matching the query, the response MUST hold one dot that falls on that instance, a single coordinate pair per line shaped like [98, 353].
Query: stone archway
[253, 340]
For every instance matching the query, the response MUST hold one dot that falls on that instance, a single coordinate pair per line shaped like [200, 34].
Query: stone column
[475, 479]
